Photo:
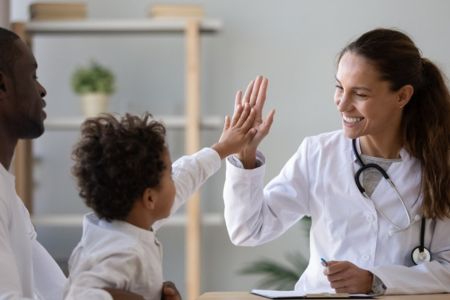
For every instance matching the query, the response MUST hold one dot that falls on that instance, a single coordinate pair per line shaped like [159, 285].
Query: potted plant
[279, 276]
[94, 83]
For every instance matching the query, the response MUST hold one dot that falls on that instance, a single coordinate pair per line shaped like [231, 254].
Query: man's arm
[48, 278]
[123, 295]
[11, 286]
[169, 292]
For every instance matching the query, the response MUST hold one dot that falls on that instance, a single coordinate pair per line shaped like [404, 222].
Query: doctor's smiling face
[367, 103]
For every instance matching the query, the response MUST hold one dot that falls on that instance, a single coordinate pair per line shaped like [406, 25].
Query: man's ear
[149, 199]
[404, 95]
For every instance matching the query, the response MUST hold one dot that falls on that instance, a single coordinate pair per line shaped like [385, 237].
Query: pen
[323, 262]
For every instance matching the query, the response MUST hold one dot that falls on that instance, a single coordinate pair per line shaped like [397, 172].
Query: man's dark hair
[116, 160]
[8, 50]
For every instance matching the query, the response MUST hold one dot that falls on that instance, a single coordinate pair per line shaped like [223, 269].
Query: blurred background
[292, 42]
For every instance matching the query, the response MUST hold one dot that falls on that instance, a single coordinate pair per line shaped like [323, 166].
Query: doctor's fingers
[260, 99]
[337, 267]
[246, 114]
[245, 123]
[347, 285]
[256, 90]
[248, 93]
[339, 276]
[267, 124]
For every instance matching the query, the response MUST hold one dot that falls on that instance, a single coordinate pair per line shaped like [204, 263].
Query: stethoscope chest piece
[418, 257]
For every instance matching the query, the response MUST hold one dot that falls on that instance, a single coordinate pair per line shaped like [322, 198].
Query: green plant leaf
[279, 276]
[94, 78]
[276, 275]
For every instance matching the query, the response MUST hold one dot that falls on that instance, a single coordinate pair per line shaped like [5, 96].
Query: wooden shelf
[170, 121]
[87, 26]
[76, 220]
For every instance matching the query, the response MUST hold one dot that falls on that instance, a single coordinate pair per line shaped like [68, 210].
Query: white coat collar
[404, 155]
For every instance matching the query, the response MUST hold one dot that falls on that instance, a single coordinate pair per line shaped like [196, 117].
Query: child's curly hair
[116, 160]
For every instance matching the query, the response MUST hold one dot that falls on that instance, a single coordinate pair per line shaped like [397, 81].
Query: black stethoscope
[419, 254]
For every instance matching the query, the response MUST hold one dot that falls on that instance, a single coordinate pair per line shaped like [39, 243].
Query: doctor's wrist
[248, 159]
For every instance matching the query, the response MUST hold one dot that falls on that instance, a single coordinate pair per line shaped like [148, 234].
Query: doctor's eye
[361, 95]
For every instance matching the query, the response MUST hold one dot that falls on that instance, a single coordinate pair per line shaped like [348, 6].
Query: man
[26, 269]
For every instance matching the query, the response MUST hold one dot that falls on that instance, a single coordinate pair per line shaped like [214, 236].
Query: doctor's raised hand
[255, 97]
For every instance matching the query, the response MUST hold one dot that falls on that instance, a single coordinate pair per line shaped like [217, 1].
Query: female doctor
[377, 191]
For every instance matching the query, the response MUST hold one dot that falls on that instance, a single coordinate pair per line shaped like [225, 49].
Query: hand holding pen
[346, 277]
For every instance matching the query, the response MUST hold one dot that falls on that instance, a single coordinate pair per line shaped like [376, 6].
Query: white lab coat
[122, 256]
[318, 181]
[27, 271]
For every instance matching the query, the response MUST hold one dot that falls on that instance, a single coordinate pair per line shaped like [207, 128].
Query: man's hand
[169, 291]
[346, 277]
[123, 295]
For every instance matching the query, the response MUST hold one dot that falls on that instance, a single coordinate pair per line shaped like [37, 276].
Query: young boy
[125, 175]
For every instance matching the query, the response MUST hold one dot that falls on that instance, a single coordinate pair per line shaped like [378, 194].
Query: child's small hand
[170, 291]
[237, 132]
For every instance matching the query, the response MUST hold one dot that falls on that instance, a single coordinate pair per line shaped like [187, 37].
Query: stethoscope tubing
[423, 254]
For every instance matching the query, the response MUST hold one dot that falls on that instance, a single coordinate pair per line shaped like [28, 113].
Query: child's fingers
[244, 115]
[248, 122]
[227, 122]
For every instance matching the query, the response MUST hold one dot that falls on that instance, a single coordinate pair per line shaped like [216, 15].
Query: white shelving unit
[191, 121]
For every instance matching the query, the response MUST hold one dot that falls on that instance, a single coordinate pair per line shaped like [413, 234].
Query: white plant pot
[94, 103]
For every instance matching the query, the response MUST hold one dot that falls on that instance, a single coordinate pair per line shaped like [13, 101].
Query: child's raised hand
[236, 132]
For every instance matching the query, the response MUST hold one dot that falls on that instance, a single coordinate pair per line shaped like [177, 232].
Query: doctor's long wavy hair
[426, 117]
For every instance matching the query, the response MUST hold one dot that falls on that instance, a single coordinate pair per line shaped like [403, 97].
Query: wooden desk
[248, 296]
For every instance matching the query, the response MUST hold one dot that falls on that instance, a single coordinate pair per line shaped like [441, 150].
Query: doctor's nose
[343, 102]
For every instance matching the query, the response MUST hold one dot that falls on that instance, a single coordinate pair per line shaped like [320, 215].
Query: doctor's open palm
[255, 96]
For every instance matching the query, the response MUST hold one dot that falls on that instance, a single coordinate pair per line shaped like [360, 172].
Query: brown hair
[426, 118]
[8, 50]
[116, 160]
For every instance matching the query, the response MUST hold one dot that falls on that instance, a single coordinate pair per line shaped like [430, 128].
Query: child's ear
[149, 198]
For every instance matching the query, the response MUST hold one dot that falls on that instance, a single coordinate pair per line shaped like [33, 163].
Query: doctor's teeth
[352, 120]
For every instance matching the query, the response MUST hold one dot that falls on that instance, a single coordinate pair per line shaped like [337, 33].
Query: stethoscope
[419, 254]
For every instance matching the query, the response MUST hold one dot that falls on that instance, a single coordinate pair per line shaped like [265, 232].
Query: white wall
[293, 42]
[4, 13]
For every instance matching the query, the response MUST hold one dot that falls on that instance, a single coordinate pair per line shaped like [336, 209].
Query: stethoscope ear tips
[418, 257]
